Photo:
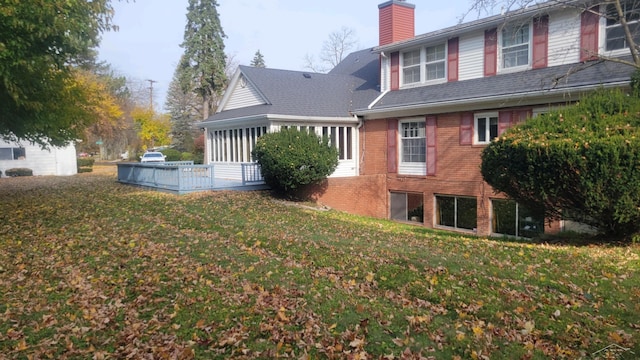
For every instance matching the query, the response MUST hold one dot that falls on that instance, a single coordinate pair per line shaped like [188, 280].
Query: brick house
[412, 115]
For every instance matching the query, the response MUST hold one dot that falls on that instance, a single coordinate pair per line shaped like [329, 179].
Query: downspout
[374, 102]
[361, 157]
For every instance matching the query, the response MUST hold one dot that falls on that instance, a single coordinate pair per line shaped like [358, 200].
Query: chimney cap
[396, 2]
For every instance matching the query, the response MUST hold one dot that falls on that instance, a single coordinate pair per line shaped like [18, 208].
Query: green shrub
[85, 162]
[290, 159]
[172, 154]
[18, 172]
[85, 165]
[187, 156]
[582, 161]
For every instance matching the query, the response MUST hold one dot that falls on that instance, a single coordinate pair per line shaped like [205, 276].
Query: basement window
[510, 218]
[457, 212]
[407, 206]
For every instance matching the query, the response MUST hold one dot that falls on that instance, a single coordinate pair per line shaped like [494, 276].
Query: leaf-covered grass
[90, 268]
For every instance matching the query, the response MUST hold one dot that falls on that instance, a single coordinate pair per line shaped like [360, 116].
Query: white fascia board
[269, 118]
[485, 102]
[311, 119]
[226, 123]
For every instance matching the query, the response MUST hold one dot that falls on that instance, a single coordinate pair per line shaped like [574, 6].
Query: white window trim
[475, 126]
[528, 66]
[402, 67]
[423, 64]
[410, 168]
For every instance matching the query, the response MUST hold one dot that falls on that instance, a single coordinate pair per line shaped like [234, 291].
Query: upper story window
[12, 153]
[486, 128]
[515, 46]
[615, 37]
[411, 66]
[435, 62]
[413, 142]
[424, 64]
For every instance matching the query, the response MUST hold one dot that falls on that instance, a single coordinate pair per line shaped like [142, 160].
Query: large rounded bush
[581, 162]
[290, 159]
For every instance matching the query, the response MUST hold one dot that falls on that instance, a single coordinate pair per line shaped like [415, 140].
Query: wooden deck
[182, 177]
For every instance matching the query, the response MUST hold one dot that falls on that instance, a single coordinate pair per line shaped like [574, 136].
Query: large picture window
[456, 212]
[515, 46]
[486, 128]
[510, 218]
[615, 37]
[12, 153]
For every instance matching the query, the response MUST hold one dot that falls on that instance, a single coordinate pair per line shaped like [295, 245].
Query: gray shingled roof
[512, 85]
[352, 84]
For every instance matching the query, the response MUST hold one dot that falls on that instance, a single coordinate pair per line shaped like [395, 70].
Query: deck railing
[183, 177]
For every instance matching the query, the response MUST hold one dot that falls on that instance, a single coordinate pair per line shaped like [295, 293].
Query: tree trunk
[205, 108]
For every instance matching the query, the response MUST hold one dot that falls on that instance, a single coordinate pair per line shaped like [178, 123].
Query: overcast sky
[147, 45]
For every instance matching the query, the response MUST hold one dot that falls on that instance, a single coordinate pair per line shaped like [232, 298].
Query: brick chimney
[396, 22]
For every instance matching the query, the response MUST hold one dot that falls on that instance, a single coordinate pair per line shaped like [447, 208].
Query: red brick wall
[373, 147]
[362, 195]
[458, 173]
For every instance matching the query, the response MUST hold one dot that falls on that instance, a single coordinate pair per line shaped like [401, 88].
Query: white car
[152, 156]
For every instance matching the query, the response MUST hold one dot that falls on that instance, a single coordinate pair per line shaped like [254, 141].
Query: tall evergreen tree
[184, 108]
[204, 51]
[258, 60]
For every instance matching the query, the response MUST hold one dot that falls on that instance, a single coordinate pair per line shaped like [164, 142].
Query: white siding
[243, 95]
[471, 57]
[231, 171]
[55, 161]
[564, 37]
[345, 168]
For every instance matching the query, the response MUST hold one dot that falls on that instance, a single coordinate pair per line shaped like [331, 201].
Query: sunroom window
[515, 46]
[615, 36]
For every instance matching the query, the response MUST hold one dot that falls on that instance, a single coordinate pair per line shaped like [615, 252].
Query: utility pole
[151, 92]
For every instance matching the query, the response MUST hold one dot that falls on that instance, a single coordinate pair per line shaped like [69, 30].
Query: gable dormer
[241, 93]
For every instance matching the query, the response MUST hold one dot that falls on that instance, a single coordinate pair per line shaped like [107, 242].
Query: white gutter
[274, 117]
[463, 104]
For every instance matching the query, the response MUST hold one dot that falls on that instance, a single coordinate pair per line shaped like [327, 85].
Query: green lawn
[90, 268]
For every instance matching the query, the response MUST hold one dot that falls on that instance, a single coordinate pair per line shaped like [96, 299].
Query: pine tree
[183, 107]
[204, 51]
[258, 60]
